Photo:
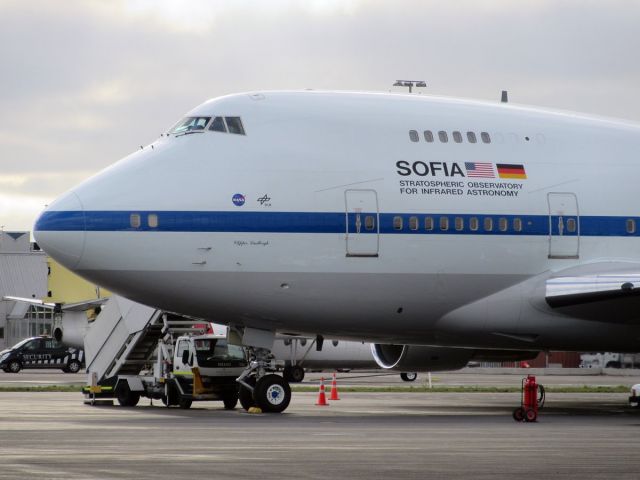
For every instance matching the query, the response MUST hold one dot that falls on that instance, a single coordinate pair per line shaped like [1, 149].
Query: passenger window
[571, 225]
[218, 125]
[335, 342]
[503, 224]
[413, 223]
[471, 137]
[485, 137]
[413, 136]
[488, 224]
[134, 220]
[444, 223]
[234, 124]
[428, 223]
[457, 137]
[473, 223]
[303, 342]
[397, 223]
[442, 135]
[152, 220]
[459, 223]
[631, 225]
[428, 136]
[517, 224]
[369, 222]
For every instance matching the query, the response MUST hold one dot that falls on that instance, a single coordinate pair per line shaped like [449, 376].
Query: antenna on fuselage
[505, 97]
[410, 84]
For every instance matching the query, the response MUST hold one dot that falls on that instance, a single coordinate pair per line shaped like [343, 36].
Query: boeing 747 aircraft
[441, 229]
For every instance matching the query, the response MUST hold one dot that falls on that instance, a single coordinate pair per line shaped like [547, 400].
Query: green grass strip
[472, 389]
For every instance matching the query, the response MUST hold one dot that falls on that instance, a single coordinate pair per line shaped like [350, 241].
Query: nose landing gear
[260, 387]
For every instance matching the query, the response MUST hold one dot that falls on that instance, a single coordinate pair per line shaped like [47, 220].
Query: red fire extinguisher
[528, 410]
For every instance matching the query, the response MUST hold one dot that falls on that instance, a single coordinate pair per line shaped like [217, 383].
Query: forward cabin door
[564, 225]
[363, 223]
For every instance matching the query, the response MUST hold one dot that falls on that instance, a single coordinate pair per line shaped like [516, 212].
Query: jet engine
[417, 358]
[70, 328]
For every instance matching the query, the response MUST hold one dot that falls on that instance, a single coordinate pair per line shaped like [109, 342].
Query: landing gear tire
[73, 367]
[293, 373]
[14, 366]
[409, 376]
[126, 398]
[272, 394]
[245, 395]
[230, 400]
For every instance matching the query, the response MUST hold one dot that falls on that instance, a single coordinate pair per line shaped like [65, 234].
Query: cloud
[85, 83]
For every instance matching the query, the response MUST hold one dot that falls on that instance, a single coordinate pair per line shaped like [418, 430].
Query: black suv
[41, 352]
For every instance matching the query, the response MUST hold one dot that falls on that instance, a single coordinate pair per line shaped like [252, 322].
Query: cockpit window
[190, 125]
[234, 124]
[218, 125]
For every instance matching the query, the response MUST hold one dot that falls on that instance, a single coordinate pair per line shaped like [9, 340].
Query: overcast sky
[84, 83]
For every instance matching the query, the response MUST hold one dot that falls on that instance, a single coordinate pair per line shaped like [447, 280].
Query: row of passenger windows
[429, 223]
[218, 124]
[443, 136]
[458, 223]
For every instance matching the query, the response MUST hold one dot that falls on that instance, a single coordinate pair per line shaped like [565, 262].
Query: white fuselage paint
[306, 151]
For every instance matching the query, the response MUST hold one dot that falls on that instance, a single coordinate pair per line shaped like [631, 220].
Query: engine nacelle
[415, 358]
[70, 329]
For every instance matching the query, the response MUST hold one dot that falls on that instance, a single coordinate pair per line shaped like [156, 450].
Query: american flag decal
[479, 169]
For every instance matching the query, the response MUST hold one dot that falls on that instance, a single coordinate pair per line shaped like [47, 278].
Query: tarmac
[361, 436]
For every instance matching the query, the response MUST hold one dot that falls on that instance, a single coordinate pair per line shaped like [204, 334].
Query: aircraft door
[363, 223]
[564, 225]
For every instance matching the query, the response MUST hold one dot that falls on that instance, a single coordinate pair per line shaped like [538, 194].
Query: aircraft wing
[30, 301]
[69, 307]
[85, 305]
[605, 291]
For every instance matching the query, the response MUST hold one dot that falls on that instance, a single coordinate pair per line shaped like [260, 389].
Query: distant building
[26, 271]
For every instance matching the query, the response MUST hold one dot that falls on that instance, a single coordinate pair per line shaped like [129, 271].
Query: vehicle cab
[211, 354]
[41, 352]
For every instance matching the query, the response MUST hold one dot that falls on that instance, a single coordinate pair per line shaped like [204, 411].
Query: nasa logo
[238, 199]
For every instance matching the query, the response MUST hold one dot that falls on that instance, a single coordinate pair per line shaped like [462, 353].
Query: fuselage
[349, 215]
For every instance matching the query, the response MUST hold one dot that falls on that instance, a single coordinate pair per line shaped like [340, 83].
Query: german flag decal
[510, 170]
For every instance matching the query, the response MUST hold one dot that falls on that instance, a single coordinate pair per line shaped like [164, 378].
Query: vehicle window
[459, 223]
[442, 135]
[218, 125]
[413, 136]
[457, 137]
[428, 136]
[52, 343]
[631, 225]
[33, 345]
[397, 223]
[413, 223]
[473, 223]
[485, 137]
[471, 137]
[503, 224]
[444, 223]
[428, 223]
[190, 124]
[183, 346]
[234, 124]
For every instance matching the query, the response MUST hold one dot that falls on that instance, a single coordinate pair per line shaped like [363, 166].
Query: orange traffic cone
[334, 389]
[322, 398]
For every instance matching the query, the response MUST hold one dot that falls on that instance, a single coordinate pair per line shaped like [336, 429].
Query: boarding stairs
[124, 338]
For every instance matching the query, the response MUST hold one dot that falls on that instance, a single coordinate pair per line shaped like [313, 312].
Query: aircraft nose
[60, 230]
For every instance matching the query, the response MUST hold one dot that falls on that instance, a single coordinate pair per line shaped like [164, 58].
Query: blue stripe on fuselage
[319, 222]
